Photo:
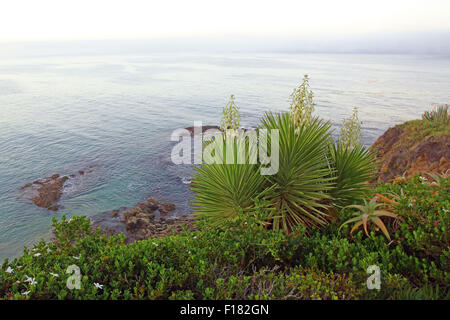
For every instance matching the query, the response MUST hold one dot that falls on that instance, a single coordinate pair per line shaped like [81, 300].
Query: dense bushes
[243, 260]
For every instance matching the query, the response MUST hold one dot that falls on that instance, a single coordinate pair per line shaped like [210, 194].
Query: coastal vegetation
[312, 230]
[241, 259]
[316, 176]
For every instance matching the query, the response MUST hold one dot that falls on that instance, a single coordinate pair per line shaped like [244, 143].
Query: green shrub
[177, 266]
[241, 259]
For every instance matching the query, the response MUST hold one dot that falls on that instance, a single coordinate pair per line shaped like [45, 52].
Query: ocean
[113, 115]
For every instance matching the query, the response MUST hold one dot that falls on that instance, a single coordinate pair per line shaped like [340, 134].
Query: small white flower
[36, 254]
[195, 237]
[54, 274]
[78, 258]
[155, 244]
[25, 293]
[423, 178]
[98, 285]
[410, 205]
[30, 280]
[189, 252]
[9, 270]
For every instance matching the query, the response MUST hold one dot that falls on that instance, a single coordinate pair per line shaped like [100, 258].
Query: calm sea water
[116, 113]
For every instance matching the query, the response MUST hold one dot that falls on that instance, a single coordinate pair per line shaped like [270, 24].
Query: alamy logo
[374, 281]
[230, 147]
[74, 281]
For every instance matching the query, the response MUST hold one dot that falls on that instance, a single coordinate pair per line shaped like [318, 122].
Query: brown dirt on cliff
[416, 146]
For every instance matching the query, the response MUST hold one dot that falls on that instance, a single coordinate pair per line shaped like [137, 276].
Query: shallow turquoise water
[116, 113]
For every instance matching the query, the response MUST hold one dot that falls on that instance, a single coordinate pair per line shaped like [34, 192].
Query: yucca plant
[223, 190]
[369, 213]
[352, 168]
[299, 190]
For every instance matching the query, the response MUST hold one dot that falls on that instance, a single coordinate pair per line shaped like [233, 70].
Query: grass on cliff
[416, 131]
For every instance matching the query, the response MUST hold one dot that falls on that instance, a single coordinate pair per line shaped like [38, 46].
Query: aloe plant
[369, 213]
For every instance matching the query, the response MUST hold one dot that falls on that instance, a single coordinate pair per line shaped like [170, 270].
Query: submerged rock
[203, 129]
[164, 208]
[141, 222]
[217, 128]
[48, 191]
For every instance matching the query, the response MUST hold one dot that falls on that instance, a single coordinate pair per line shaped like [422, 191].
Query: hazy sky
[91, 19]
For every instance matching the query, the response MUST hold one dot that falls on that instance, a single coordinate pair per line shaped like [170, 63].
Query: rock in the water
[164, 208]
[49, 192]
[152, 203]
[203, 129]
[141, 222]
